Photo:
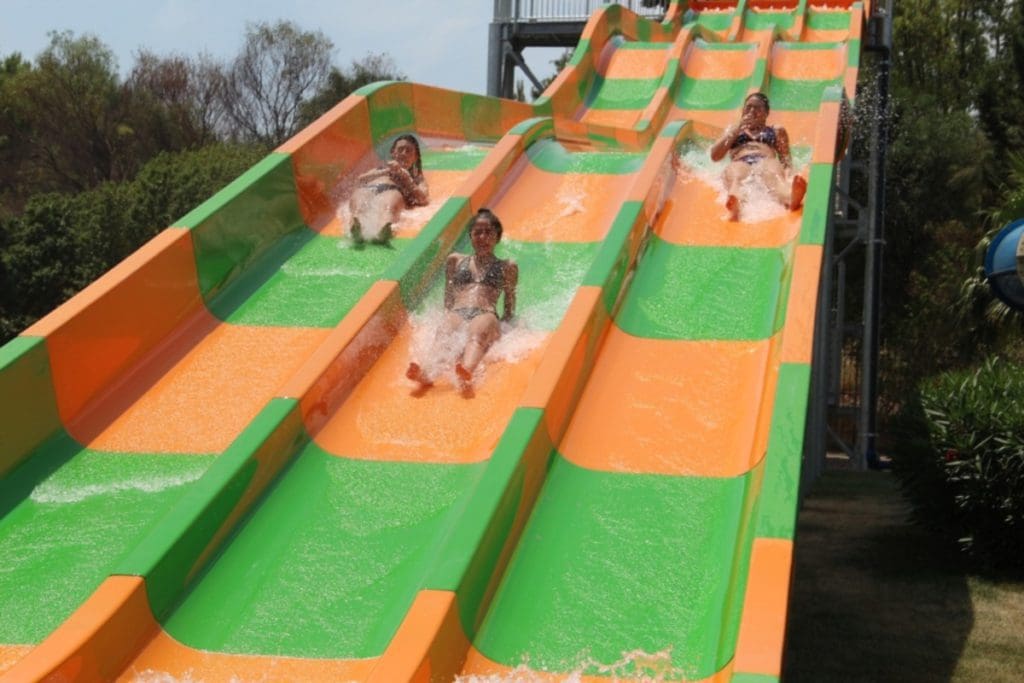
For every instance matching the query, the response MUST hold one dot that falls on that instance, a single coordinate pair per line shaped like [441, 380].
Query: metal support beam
[881, 43]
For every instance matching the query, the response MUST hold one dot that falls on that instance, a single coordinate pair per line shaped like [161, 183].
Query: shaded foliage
[961, 442]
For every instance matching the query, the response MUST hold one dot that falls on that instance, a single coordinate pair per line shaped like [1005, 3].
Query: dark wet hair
[491, 218]
[418, 164]
[761, 96]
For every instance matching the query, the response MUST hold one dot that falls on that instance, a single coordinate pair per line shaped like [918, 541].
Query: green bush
[960, 457]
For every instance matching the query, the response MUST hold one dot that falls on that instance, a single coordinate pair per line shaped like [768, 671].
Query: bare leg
[796, 195]
[423, 374]
[484, 330]
[734, 175]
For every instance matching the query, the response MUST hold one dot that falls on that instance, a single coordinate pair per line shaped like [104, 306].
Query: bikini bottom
[470, 312]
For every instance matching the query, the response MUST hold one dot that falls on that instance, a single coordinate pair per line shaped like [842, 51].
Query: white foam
[635, 665]
[53, 491]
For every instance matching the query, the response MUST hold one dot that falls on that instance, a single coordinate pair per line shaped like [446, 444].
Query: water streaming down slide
[213, 468]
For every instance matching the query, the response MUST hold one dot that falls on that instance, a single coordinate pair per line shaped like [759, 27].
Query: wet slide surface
[635, 521]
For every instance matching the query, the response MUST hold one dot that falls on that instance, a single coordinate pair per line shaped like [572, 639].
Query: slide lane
[661, 542]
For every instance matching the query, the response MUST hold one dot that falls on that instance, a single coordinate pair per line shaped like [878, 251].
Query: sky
[436, 42]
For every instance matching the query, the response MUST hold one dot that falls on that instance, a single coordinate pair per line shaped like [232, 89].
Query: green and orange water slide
[211, 466]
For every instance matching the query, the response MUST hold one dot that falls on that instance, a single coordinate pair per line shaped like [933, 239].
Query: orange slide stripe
[826, 133]
[703, 408]
[199, 379]
[763, 625]
[809, 65]
[798, 332]
[559, 378]
[11, 655]
[118, 319]
[636, 64]
[167, 659]
[429, 644]
[97, 640]
[339, 363]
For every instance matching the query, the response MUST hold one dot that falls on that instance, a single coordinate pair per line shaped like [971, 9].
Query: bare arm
[782, 146]
[511, 281]
[414, 191]
[722, 145]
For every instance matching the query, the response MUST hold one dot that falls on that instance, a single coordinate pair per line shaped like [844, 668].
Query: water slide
[213, 469]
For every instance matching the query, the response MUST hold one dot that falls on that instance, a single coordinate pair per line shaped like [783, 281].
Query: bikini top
[765, 136]
[492, 276]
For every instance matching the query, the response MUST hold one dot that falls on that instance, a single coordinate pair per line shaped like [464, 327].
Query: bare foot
[416, 374]
[465, 380]
[733, 205]
[796, 195]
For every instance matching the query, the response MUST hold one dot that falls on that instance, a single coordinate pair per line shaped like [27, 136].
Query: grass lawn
[877, 598]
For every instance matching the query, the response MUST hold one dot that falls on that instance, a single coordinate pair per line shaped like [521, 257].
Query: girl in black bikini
[473, 286]
[757, 149]
[384, 191]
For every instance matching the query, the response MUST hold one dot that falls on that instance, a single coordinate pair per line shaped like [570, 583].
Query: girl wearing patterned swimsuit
[384, 191]
[757, 149]
[473, 285]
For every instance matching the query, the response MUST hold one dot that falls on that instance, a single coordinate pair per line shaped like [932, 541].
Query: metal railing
[568, 10]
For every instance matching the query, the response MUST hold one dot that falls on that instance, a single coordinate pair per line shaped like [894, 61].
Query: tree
[69, 105]
[279, 67]
[187, 96]
[342, 83]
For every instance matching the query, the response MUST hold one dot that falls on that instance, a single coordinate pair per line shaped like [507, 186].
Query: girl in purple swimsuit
[473, 286]
[757, 149]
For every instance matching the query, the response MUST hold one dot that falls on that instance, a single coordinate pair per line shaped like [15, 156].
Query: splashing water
[758, 203]
[635, 665]
[438, 354]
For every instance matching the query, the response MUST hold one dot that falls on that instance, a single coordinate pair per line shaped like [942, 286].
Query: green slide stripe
[468, 559]
[715, 21]
[478, 115]
[614, 259]
[28, 405]
[66, 515]
[241, 223]
[766, 20]
[777, 516]
[464, 158]
[390, 109]
[553, 157]
[828, 21]
[675, 550]
[753, 678]
[623, 93]
[312, 281]
[816, 204]
[712, 93]
[168, 554]
[798, 95]
[687, 292]
[329, 563]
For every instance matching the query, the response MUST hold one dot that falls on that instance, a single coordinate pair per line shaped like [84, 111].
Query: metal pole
[867, 453]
